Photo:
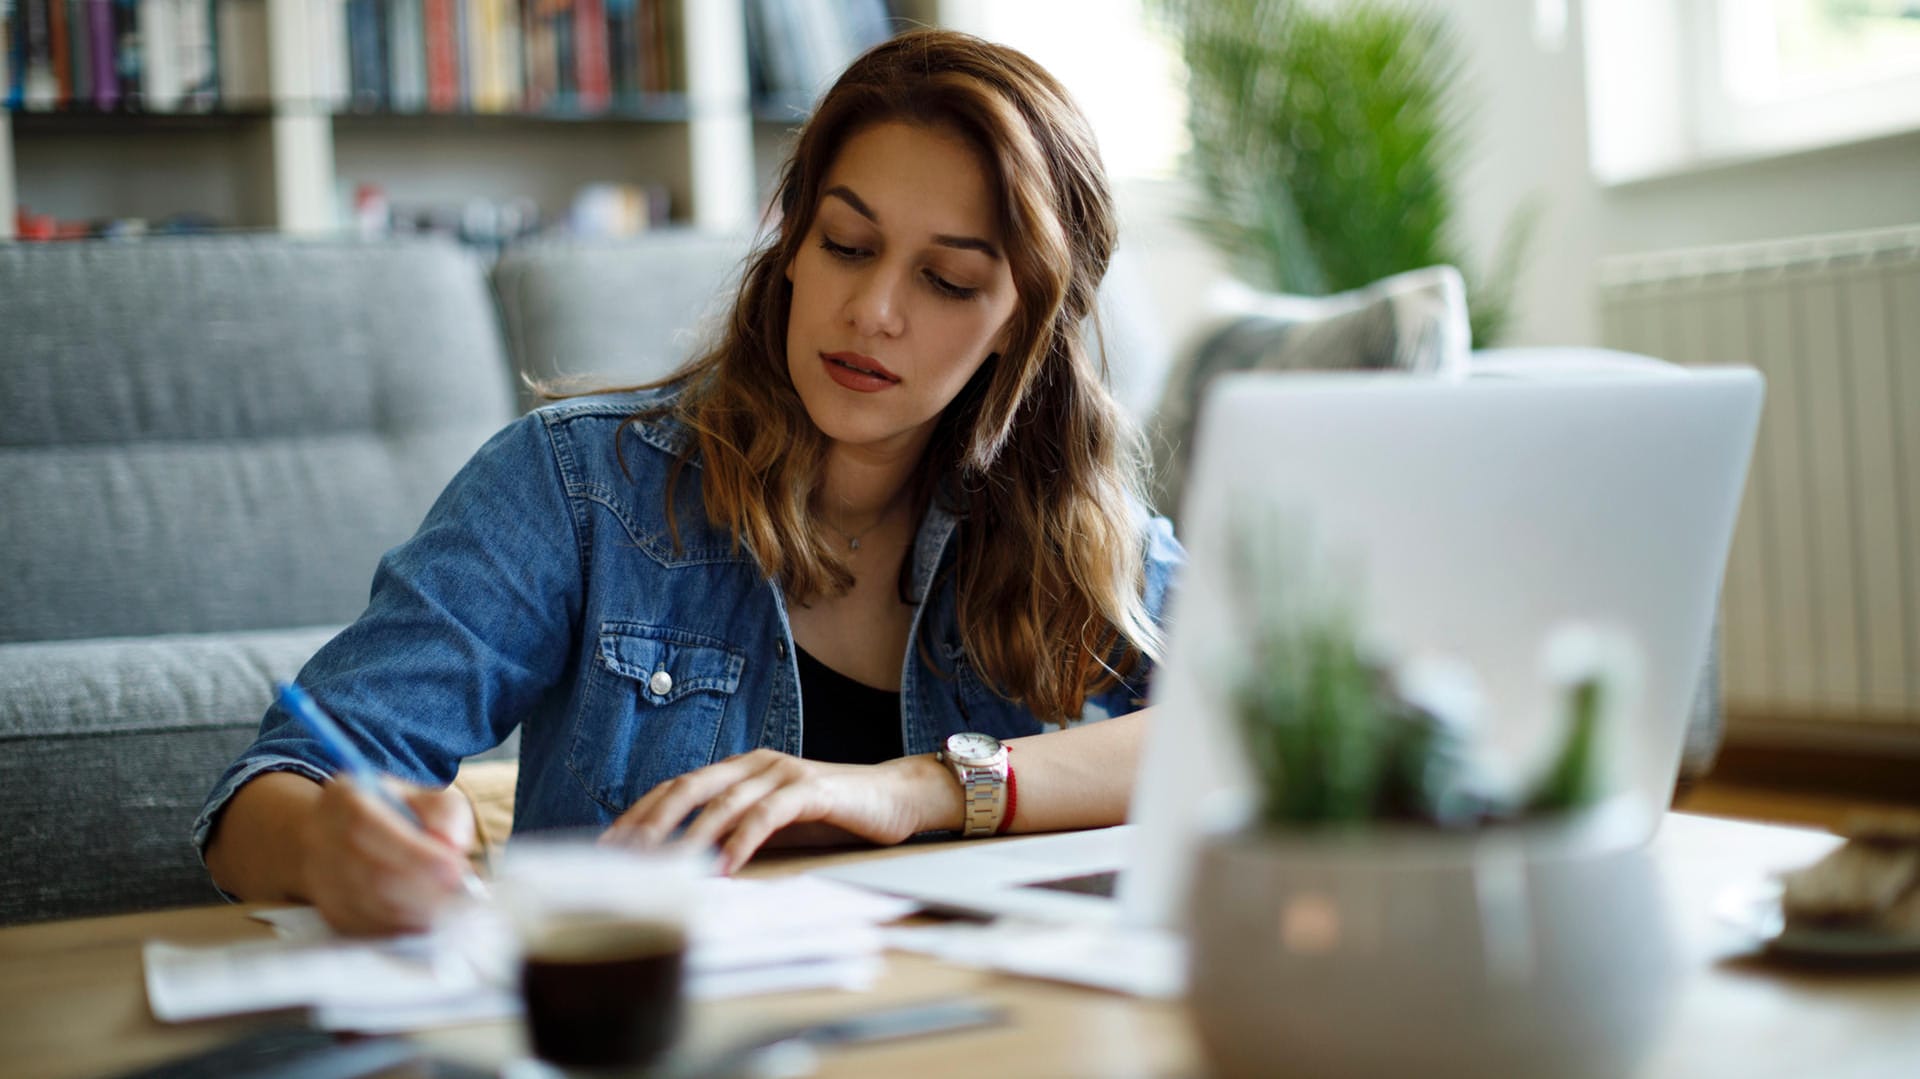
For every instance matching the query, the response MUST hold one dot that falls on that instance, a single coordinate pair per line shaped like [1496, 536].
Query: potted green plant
[1326, 142]
[1390, 905]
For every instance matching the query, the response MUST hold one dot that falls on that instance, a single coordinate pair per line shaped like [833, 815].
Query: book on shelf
[623, 49]
[406, 56]
[442, 63]
[367, 62]
[152, 55]
[127, 66]
[34, 84]
[62, 49]
[592, 78]
[101, 59]
[197, 42]
[572, 56]
[240, 28]
[796, 48]
[156, 56]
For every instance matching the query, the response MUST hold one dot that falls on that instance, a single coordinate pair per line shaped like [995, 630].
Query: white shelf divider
[720, 119]
[302, 128]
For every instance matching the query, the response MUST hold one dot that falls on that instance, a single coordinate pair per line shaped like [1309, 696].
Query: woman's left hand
[744, 800]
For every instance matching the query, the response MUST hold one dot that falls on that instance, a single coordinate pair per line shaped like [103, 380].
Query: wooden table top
[73, 1006]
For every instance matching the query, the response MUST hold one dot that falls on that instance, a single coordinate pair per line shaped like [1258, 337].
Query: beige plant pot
[1537, 951]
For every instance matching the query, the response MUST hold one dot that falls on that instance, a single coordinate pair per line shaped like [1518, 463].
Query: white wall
[1867, 185]
[1532, 135]
[1529, 140]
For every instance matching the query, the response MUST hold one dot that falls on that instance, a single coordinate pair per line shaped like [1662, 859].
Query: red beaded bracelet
[1013, 797]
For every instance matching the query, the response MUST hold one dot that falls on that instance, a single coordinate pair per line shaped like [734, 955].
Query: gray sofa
[206, 444]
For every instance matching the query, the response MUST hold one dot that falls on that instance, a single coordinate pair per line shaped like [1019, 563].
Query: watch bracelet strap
[981, 793]
[981, 796]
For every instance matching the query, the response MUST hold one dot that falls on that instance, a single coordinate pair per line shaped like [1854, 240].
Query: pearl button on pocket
[661, 683]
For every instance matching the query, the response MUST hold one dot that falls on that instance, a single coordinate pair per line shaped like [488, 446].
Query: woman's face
[901, 288]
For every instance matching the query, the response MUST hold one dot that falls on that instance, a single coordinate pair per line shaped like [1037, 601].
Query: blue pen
[354, 767]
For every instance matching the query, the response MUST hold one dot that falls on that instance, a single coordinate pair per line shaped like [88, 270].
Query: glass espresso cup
[602, 933]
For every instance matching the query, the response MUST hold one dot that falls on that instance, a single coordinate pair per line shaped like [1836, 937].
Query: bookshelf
[289, 154]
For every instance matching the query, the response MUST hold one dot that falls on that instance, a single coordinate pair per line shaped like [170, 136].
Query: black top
[847, 722]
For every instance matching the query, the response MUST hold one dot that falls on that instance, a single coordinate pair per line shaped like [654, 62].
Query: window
[1680, 83]
[1116, 60]
[1778, 50]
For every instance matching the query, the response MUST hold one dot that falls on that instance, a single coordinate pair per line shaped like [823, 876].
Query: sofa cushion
[220, 434]
[613, 313]
[126, 684]
[1412, 322]
[107, 749]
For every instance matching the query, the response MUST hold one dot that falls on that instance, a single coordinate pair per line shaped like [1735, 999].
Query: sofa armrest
[112, 685]
[108, 748]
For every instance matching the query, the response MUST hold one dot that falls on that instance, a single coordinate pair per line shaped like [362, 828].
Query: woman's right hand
[369, 872]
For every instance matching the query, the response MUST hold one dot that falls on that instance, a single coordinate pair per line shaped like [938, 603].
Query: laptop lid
[1481, 516]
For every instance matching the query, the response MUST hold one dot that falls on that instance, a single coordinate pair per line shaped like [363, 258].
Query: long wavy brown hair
[1035, 456]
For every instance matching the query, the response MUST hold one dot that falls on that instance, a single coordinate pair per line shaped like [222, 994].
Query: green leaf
[1573, 780]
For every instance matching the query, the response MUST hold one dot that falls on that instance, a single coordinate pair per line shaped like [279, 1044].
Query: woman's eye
[839, 251]
[948, 288]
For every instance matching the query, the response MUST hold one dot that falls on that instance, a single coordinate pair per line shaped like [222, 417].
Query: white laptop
[1484, 514]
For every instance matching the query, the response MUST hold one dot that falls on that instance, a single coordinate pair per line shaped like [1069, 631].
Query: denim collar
[665, 432]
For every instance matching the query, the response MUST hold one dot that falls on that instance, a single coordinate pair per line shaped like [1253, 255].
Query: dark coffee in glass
[603, 993]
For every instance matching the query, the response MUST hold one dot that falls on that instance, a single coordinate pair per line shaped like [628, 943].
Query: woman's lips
[858, 372]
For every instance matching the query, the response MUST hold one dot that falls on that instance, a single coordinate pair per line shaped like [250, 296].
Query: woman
[895, 499]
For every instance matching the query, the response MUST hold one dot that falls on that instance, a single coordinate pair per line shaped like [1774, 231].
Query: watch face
[970, 746]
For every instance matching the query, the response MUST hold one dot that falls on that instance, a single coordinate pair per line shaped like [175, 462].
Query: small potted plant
[1391, 905]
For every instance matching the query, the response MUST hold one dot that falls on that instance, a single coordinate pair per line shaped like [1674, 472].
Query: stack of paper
[746, 937]
[766, 936]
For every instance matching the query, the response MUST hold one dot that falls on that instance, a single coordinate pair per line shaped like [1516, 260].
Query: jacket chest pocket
[653, 708]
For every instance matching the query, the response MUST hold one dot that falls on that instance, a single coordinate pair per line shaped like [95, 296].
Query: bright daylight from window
[1784, 48]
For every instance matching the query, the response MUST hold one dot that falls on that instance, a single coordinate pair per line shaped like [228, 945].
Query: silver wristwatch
[979, 762]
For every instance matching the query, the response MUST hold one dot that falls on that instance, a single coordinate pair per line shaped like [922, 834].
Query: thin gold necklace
[853, 538]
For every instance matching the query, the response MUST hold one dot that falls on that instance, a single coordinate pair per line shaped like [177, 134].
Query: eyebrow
[964, 243]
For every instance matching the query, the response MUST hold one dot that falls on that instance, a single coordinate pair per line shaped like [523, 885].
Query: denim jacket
[544, 591]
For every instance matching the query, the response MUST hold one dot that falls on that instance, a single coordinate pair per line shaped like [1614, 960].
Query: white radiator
[1822, 601]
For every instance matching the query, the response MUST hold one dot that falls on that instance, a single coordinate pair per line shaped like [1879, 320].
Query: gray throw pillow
[1414, 322]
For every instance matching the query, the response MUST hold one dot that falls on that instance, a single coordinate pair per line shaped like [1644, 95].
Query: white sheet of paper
[731, 908]
[853, 972]
[748, 936]
[193, 983]
[1138, 962]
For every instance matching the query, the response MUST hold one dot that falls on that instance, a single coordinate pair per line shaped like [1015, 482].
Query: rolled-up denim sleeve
[468, 624]
[1164, 560]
